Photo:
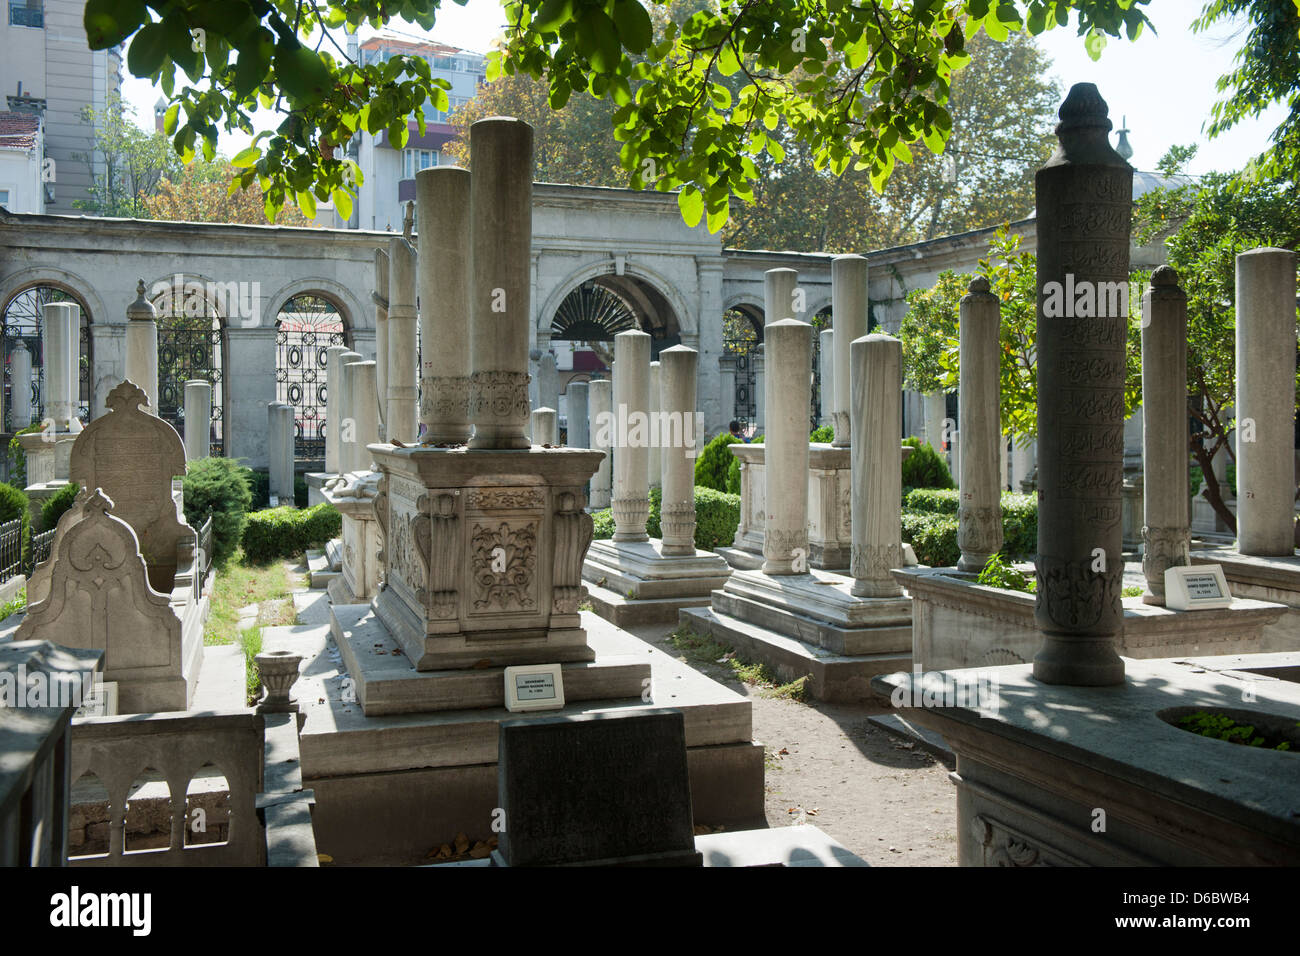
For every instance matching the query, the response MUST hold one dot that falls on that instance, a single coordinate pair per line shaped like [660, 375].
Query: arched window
[306, 326]
[23, 321]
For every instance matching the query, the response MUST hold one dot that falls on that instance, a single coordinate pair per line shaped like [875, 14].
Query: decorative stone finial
[1084, 129]
[1123, 147]
[1164, 276]
[979, 285]
[126, 396]
[141, 309]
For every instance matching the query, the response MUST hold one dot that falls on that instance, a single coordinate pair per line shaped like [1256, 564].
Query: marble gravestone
[133, 456]
[595, 790]
[99, 597]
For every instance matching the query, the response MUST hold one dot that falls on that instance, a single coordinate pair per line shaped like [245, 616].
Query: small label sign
[534, 687]
[1190, 588]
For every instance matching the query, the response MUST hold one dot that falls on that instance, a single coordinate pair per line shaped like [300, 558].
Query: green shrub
[711, 467]
[259, 485]
[218, 486]
[18, 473]
[938, 501]
[924, 468]
[717, 514]
[652, 525]
[602, 525]
[15, 504]
[285, 532]
[933, 538]
[53, 507]
[733, 470]
[996, 573]
[1019, 515]
[823, 435]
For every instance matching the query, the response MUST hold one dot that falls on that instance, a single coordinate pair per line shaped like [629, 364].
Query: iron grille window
[27, 13]
[305, 329]
[191, 344]
[23, 320]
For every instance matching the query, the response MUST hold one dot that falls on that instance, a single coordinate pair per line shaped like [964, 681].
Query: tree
[199, 191]
[132, 160]
[1206, 224]
[860, 84]
[1267, 71]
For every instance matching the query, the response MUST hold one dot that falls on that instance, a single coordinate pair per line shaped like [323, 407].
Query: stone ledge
[627, 612]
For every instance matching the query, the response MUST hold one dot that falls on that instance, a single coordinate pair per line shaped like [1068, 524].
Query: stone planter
[959, 623]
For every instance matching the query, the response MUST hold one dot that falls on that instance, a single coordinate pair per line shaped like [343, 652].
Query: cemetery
[359, 573]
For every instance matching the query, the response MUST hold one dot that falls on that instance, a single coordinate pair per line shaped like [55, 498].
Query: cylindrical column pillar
[544, 426]
[1266, 357]
[1084, 202]
[876, 377]
[73, 338]
[678, 367]
[654, 458]
[141, 346]
[548, 381]
[849, 305]
[54, 353]
[198, 419]
[381, 332]
[348, 412]
[1166, 535]
[575, 398]
[20, 385]
[333, 396]
[979, 516]
[789, 397]
[631, 504]
[280, 427]
[400, 418]
[501, 232]
[443, 195]
[827, 367]
[600, 403]
[366, 386]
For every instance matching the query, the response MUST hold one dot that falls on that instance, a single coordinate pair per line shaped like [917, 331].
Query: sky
[1163, 83]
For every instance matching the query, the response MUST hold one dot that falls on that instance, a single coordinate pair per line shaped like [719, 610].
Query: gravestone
[99, 597]
[595, 790]
[133, 457]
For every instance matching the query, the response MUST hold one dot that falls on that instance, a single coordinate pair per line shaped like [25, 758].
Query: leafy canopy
[860, 84]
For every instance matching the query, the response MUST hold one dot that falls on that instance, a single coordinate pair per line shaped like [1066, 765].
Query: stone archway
[191, 316]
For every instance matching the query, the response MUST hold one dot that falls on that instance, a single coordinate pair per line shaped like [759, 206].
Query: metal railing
[41, 544]
[11, 549]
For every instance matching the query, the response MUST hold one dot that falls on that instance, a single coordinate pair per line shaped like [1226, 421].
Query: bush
[218, 486]
[933, 538]
[18, 473]
[938, 501]
[823, 435]
[924, 468]
[716, 516]
[996, 573]
[15, 504]
[1019, 515]
[602, 525]
[259, 485]
[711, 467]
[285, 532]
[733, 470]
[54, 507]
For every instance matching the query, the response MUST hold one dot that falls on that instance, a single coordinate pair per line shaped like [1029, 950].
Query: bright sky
[1163, 84]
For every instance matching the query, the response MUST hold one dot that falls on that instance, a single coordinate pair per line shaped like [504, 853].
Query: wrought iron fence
[40, 551]
[307, 326]
[190, 347]
[23, 320]
[11, 549]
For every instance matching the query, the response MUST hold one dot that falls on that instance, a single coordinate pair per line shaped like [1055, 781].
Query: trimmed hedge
[824, 435]
[14, 503]
[1019, 517]
[933, 537]
[716, 516]
[924, 468]
[218, 486]
[53, 507]
[285, 532]
[711, 467]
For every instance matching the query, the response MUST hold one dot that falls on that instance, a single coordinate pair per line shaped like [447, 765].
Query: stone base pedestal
[49, 456]
[634, 582]
[810, 625]
[1172, 797]
[1262, 579]
[316, 481]
[355, 554]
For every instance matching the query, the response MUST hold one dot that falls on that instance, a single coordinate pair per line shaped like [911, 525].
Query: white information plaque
[1195, 587]
[534, 687]
[101, 702]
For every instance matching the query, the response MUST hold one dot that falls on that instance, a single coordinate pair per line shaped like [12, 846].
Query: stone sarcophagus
[482, 554]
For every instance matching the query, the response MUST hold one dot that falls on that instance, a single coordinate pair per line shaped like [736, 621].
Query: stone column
[54, 352]
[73, 338]
[654, 458]
[20, 385]
[198, 419]
[548, 381]
[789, 398]
[501, 231]
[400, 419]
[1166, 535]
[333, 396]
[849, 308]
[141, 346]
[677, 400]
[366, 389]
[979, 517]
[631, 503]
[280, 432]
[876, 377]
[600, 400]
[544, 426]
[347, 414]
[579, 425]
[1266, 358]
[727, 389]
[1084, 201]
[828, 377]
[443, 194]
[380, 297]
[936, 413]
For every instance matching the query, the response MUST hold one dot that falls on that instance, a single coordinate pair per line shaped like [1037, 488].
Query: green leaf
[145, 54]
[633, 25]
[691, 202]
[559, 93]
[170, 117]
[307, 203]
[342, 203]
[552, 15]
[597, 39]
[109, 22]
[302, 73]
[718, 217]
[246, 158]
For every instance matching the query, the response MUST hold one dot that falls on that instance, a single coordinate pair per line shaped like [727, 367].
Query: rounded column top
[141, 309]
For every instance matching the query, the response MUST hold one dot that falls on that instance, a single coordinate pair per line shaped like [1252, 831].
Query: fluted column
[849, 304]
[443, 197]
[678, 367]
[876, 377]
[979, 516]
[631, 504]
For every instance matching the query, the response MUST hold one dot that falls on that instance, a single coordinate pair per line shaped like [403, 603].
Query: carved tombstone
[133, 456]
[99, 597]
